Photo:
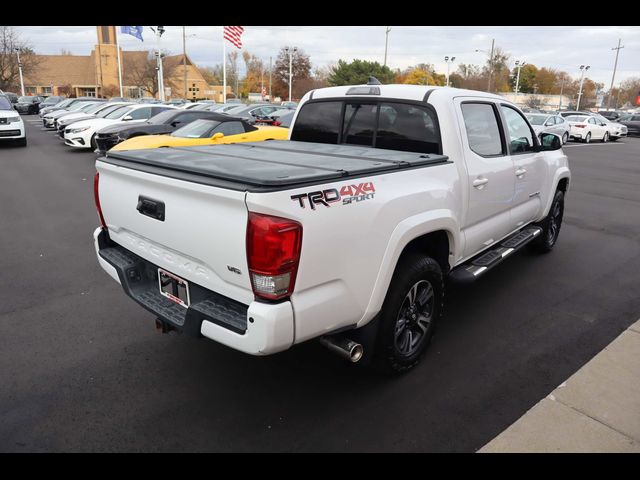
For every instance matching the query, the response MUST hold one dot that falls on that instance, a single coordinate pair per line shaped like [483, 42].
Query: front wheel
[93, 143]
[605, 138]
[409, 314]
[587, 139]
[550, 225]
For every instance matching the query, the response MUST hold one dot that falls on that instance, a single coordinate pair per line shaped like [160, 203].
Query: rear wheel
[409, 314]
[587, 139]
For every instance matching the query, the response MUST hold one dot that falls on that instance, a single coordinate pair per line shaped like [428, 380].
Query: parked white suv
[344, 233]
[11, 124]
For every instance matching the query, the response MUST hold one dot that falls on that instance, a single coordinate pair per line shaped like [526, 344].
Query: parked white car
[586, 128]
[11, 125]
[616, 130]
[82, 134]
[545, 123]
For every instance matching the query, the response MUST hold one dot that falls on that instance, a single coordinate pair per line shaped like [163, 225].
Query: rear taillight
[96, 196]
[580, 126]
[273, 253]
[276, 124]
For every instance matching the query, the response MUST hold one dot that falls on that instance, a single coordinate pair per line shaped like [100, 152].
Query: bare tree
[10, 43]
[142, 72]
[232, 70]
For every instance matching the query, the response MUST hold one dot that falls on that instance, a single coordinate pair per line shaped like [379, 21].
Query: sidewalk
[595, 410]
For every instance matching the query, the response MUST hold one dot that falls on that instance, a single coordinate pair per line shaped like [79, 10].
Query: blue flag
[135, 31]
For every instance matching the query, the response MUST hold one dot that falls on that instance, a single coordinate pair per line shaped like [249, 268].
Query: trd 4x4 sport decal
[347, 194]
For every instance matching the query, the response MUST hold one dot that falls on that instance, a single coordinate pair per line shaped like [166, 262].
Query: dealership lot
[83, 369]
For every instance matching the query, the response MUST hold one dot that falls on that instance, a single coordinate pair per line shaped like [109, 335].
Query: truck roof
[270, 166]
[401, 91]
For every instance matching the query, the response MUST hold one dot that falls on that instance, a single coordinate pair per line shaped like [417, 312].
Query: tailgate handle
[151, 208]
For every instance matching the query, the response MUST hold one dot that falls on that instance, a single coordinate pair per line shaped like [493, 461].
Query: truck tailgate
[200, 237]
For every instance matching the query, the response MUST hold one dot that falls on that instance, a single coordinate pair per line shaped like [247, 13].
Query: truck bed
[270, 166]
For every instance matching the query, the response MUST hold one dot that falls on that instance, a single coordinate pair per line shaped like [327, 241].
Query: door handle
[479, 183]
[520, 172]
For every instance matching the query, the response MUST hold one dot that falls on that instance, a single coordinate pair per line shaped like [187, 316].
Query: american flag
[234, 34]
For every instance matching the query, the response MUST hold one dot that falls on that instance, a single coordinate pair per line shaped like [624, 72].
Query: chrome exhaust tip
[343, 347]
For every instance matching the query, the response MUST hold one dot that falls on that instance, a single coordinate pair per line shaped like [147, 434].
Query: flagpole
[224, 69]
[119, 62]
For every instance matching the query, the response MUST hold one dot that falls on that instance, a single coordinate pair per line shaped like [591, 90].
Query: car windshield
[52, 100]
[163, 118]
[107, 110]
[197, 129]
[537, 119]
[91, 107]
[64, 103]
[26, 99]
[77, 106]
[576, 118]
[5, 104]
[118, 112]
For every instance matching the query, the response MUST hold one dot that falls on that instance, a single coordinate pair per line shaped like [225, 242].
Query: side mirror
[548, 124]
[217, 135]
[602, 124]
[549, 142]
[127, 118]
[175, 123]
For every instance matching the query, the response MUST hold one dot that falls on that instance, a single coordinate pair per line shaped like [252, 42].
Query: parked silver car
[545, 123]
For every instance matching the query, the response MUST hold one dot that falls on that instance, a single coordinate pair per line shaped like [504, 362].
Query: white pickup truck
[345, 232]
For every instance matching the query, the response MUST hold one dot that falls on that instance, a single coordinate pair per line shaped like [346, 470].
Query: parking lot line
[594, 144]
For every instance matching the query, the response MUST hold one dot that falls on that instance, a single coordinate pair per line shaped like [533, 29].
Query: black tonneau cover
[272, 165]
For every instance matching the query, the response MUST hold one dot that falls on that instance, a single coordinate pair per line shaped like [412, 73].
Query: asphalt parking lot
[83, 369]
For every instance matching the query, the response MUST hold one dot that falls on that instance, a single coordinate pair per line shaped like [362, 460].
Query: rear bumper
[257, 329]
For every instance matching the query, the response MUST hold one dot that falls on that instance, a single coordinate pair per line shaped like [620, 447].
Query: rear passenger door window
[483, 132]
[141, 113]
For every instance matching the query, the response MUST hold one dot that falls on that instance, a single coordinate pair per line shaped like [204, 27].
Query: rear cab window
[401, 126]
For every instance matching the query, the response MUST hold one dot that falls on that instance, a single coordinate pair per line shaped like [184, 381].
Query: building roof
[63, 69]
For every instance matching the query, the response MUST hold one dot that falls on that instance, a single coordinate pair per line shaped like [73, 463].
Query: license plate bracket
[174, 288]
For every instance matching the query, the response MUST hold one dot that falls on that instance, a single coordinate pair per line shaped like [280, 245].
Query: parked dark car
[279, 118]
[632, 122]
[64, 104]
[160, 124]
[12, 97]
[50, 101]
[611, 115]
[251, 112]
[29, 105]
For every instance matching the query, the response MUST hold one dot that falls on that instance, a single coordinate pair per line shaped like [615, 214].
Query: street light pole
[519, 65]
[159, 32]
[615, 66]
[20, 71]
[290, 51]
[583, 69]
[386, 43]
[184, 60]
[561, 90]
[449, 62]
[270, 61]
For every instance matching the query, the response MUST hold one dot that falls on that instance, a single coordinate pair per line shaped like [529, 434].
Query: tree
[498, 69]
[9, 71]
[527, 79]
[212, 75]
[629, 90]
[301, 68]
[533, 102]
[255, 73]
[143, 73]
[421, 74]
[65, 90]
[110, 90]
[358, 72]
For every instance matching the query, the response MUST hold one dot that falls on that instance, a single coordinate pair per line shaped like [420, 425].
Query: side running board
[474, 268]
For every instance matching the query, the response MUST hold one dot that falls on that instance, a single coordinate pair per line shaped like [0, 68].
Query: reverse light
[273, 254]
[96, 196]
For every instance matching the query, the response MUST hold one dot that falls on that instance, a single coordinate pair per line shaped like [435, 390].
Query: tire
[93, 143]
[587, 139]
[565, 138]
[410, 312]
[605, 137]
[21, 142]
[550, 225]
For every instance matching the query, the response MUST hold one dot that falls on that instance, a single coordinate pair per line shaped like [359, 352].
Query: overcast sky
[564, 48]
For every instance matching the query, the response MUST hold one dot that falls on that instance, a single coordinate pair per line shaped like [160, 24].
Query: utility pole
[270, 97]
[20, 71]
[583, 69]
[159, 31]
[561, 90]
[184, 59]
[615, 66]
[490, 65]
[386, 43]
